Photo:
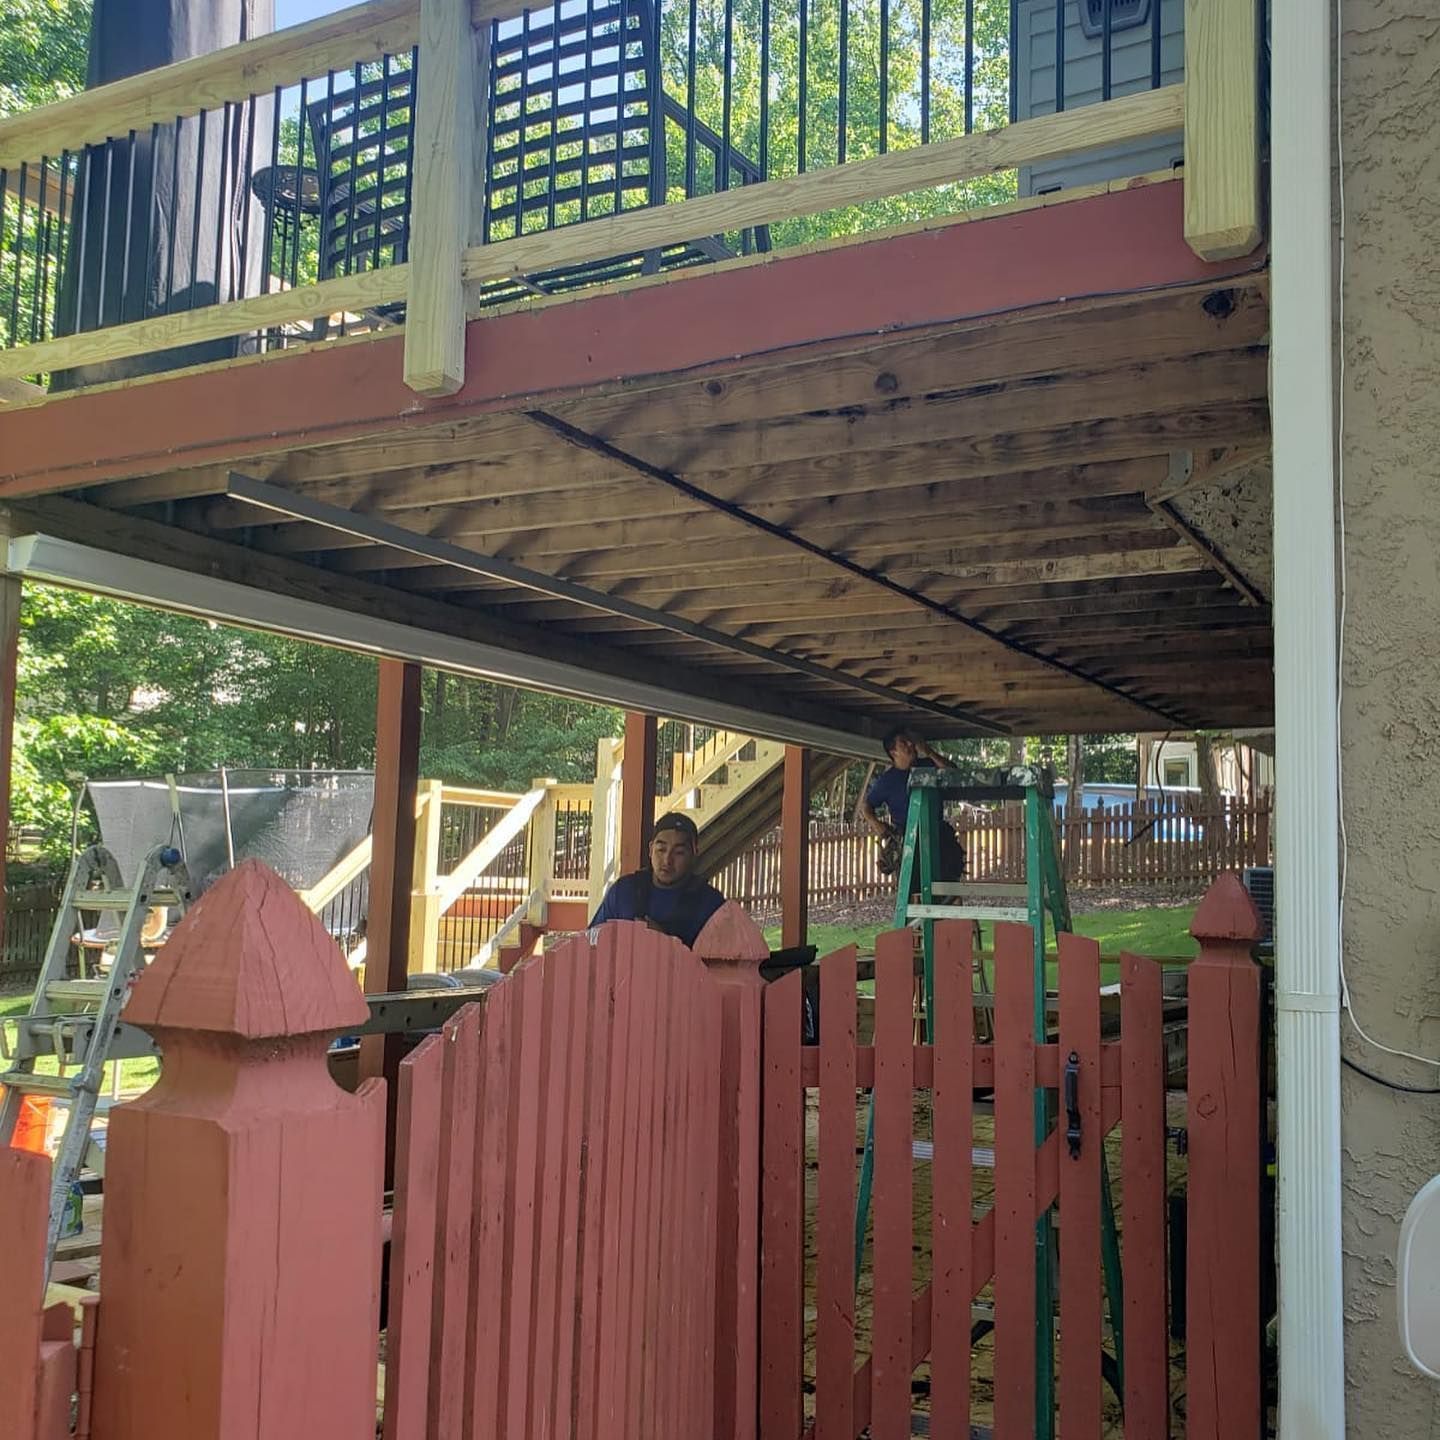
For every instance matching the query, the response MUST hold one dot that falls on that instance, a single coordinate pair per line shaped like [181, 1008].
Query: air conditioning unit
[1259, 880]
[1131, 71]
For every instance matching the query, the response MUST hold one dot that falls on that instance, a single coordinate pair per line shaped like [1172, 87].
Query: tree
[43, 50]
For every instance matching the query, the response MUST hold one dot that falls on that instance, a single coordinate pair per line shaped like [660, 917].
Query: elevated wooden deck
[943, 471]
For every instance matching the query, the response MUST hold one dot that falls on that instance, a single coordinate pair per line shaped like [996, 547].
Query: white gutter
[100, 572]
[1307, 960]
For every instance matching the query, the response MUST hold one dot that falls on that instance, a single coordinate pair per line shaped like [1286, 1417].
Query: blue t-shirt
[680, 910]
[890, 790]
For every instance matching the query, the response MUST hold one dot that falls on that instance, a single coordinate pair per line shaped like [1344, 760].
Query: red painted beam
[637, 790]
[1124, 242]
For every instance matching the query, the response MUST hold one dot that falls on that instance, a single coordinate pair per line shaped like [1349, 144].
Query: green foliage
[43, 50]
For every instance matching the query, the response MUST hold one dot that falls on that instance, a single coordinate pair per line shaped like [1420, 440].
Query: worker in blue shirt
[890, 791]
[667, 895]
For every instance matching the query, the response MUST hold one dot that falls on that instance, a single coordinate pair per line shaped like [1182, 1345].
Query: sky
[296, 12]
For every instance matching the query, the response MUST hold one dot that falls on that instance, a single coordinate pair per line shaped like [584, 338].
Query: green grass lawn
[134, 1074]
[1161, 930]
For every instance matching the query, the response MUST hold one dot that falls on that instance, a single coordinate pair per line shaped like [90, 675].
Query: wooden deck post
[241, 1249]
[1222, 1313]
[637, 790]
[449, 161]
[38, 1372]
[1222, 127]
[392, 865]
[733, 948]
[423, 949]
[795, 848]
[542, 851]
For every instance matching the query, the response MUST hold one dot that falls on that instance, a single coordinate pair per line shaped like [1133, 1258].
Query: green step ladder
[1042, 896]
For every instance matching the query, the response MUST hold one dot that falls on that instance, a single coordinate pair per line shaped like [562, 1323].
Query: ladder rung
[28, 1084]
[980, 888]
[120, 899]
[76, 989]
[967, 912]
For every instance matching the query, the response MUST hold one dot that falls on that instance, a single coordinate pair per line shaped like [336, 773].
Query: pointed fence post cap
[731, 935]
[249, 960]
[1227, 913]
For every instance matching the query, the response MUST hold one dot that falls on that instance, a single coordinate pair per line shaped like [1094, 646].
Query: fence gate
[946, 1294]
[553, 1257]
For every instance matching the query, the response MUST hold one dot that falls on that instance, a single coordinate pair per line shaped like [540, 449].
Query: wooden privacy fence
[976, 1238]
[555, 1203]
[1149, 842]
[601, 1216]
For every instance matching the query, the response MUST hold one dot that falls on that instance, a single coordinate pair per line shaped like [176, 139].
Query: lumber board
[252, 67]
[449, 128]
[1049, 137]
[1222, 128]
[208, 322]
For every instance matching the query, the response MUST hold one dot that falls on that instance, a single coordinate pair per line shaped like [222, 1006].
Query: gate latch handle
[1072, 1104]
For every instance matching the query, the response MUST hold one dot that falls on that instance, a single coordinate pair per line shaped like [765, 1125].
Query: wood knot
[887, 383]
[714, 388]
[1219, 304]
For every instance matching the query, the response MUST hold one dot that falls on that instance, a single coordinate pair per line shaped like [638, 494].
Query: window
[1177, 772]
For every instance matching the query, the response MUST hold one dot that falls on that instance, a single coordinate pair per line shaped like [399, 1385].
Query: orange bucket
[32, 1128]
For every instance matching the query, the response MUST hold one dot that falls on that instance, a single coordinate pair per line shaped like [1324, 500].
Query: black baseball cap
[676, 821]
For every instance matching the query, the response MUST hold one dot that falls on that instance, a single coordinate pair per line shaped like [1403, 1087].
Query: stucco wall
[1391, 708]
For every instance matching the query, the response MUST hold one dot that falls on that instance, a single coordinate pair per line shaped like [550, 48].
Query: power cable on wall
[1347, 1004]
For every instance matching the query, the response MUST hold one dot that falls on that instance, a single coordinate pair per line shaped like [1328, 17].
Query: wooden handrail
[204, 82]
[468, 795]
[349, 868]
[459, 880]
[967, 157]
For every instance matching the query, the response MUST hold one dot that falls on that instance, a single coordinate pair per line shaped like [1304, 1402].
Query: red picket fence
[555, 1198]
[976, 1240]
[601, 1219]
[1149, 842]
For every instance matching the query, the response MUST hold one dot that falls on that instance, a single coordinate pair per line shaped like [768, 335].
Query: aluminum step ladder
[80, 1039]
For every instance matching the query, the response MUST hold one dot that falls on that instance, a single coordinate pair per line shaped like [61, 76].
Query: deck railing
[304, 185]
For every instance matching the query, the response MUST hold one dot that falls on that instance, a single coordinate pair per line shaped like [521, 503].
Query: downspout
[1307, 998]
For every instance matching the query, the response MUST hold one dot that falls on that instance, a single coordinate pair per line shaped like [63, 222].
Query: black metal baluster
[301, 125]
[765, 90]
[271, 269]
[19, 241]
[691, 101]
[1060, 53]
[356, 166]
[151, 259]
[404, 253]
[1014, 50]
[1156, 10]
[42, 253]
[82, 197]
[884, 75]
[222, 185]
[722, 179]
[244, 197]
[844, 81]
[105, 237]
[174, 214]
[324, 182]
[804, 64]
[587, 97]
[522, 137]
[62, 233]
[1106, 28]
[554, 118]
[121, 314]
[381, 145]
[620, 62]
[969, 66]
[925, 66]
[41, 308]
[195, 225]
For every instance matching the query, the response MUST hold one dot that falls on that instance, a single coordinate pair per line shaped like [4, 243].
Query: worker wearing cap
[667, 895]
